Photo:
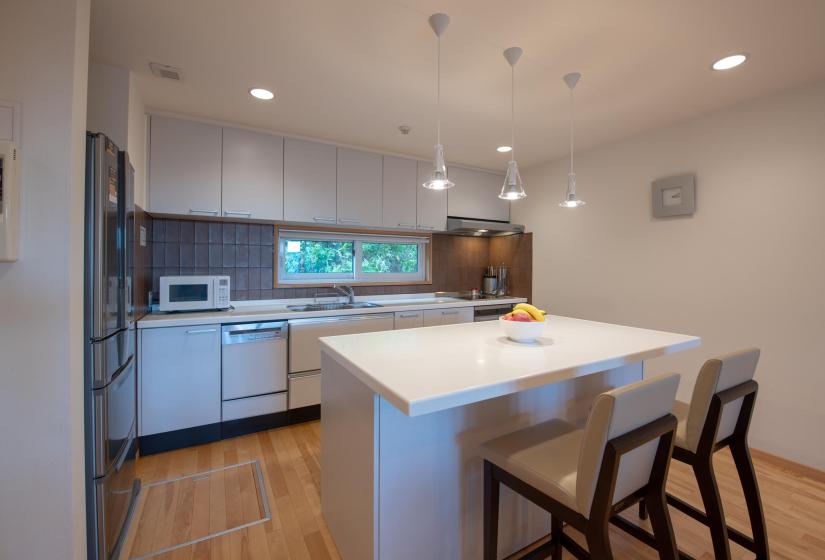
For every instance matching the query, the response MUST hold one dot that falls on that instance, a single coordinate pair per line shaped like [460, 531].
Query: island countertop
[426, 370]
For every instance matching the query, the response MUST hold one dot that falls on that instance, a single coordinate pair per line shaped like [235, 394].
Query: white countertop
[276, 310]
[430, 369]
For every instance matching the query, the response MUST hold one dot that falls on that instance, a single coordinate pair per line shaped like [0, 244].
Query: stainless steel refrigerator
[110, 370]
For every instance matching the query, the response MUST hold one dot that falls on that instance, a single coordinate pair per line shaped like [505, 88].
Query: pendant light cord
[513, 112]
[571, 129]
[438, 93]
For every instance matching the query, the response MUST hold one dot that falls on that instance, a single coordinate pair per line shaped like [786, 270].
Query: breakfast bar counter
[403, 413]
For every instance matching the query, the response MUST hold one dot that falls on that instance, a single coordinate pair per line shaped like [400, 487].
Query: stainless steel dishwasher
[305, 351]
[254, 376]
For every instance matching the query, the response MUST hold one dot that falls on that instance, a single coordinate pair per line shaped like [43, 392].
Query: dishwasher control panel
[251, 332]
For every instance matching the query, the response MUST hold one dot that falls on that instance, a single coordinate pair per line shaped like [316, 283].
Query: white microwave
[194, 293]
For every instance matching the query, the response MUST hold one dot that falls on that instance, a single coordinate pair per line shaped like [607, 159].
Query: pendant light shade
[438, 180]
[570, 198]
[513, 188]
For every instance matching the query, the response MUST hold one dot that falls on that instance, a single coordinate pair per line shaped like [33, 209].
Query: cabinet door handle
[413, 316]
[201, 331]
[449, 312]
[347, 221]
[402, 224]
[202, 211]
[238, 213]
[426, 227]
[323, 219]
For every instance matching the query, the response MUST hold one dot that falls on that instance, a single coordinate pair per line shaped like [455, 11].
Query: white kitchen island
[403, 413]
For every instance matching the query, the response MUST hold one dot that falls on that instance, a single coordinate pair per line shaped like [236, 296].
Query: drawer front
[304, 348]
[409, 319]
[253, 406]
[304, 390]
[452, 316]
[254, 368]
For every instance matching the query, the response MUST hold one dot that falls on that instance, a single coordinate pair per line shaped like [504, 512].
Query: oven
[491, 312]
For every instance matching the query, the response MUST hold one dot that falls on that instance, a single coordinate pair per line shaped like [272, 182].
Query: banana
[532, 310]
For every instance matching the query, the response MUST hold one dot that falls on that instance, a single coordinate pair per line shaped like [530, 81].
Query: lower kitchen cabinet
[180, 386]
[453, 316]
[409, 319]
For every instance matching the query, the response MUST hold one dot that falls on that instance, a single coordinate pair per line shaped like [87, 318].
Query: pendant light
[513, 188]
[438, 180]
[570, 198]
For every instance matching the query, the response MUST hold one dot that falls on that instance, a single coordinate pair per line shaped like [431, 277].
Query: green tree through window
[319, 257]
[389, 257]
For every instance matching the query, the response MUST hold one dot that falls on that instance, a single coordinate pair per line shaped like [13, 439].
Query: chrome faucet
[346, 291]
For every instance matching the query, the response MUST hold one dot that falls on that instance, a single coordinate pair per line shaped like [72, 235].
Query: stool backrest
[716, 375]
[616, 413]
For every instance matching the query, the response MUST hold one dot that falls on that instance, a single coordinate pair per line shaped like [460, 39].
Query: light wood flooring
[290, 461]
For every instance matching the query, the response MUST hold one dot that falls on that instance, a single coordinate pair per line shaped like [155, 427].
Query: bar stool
[585, 477]
[718, 416]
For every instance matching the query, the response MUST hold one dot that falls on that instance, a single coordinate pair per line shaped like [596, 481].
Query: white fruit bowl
[519, 331]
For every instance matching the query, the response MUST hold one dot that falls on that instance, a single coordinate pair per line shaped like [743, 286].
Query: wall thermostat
[674, 196]
[9, 202]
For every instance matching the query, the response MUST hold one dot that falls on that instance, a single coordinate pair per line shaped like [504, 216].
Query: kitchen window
[308, 257]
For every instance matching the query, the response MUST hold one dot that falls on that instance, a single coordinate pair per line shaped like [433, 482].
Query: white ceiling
[351, 71]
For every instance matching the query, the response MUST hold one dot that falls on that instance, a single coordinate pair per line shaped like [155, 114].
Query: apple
[522, 317]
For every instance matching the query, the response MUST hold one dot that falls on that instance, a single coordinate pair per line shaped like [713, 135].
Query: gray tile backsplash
[244, 252]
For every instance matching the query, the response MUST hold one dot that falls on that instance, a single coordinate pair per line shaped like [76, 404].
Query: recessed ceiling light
[503, 149]
[729, 62]
[261, 93]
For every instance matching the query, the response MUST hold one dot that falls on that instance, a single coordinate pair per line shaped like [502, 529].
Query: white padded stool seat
[544, 456]
[680, 411]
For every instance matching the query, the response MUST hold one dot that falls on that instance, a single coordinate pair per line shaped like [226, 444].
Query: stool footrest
[735, 535]
[642, 535]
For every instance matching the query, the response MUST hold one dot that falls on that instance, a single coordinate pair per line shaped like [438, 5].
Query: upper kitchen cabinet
[309, 182]
[359, 188]
[253, 175]
[184, 167]
[432, 205]
[475, 195]
[398, 201]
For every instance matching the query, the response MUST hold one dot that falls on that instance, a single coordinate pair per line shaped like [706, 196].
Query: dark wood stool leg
[747, 476]
[642, 510]
[662, 527]
[556, 530]
[598, 540]
[713, 508]
[491, 495]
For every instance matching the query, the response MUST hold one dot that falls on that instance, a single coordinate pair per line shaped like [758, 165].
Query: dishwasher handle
[254, 332]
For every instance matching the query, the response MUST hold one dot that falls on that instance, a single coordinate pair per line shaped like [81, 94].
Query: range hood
[481, 228]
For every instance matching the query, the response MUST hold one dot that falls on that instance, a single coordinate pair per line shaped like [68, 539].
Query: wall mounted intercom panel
[9, 202]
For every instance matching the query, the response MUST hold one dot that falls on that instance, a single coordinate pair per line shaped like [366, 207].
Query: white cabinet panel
[432, 205]
[475, 195]
[455, 315]
[309, 182]
[184, 167]
[359, 188]
[180, 378]
[254, 406]
[253, 175]
[304, 390]
[399, 186]
[304, 348]
[409, 319]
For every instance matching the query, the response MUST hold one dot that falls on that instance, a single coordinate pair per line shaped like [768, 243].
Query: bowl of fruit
[525, 323]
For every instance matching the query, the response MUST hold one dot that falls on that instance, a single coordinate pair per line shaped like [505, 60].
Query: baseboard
[305, 414]
[244, 426]
[791, 466]
[167, 441]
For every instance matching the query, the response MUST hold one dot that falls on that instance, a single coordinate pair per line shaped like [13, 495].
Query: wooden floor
[290, 461]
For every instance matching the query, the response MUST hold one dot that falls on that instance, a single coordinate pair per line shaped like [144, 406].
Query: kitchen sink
[332, 306]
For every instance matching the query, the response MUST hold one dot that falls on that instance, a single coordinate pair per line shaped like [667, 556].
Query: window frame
[357, 277]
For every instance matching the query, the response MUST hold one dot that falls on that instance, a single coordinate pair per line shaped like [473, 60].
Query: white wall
[116, 108]
[137, 139]
[748, 269]
[43, 64]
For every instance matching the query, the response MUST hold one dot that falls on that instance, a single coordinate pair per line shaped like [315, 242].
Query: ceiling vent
[165, 71]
